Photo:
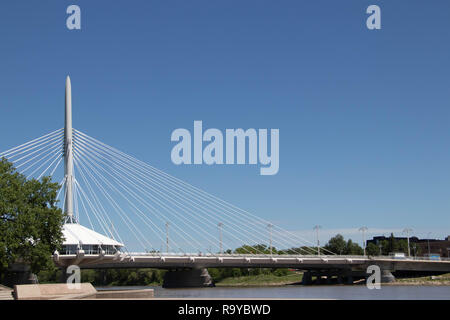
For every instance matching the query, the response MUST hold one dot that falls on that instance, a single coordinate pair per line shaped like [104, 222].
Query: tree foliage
[372, 249]
[338, 245]
[255, 249]
[30, 222]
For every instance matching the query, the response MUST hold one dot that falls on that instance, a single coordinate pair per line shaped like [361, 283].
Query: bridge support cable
[140, 172]
[115, 173]
[96, 170]
[79, 198]
[93, 209]
[113, 184]
[107, 183]
[55, 156]
[111, 153]
[125, 219]
[107, 229]
[97, 208]
[37, 157]
[28, 146]
[169, 190]
[41, 151]
[134, 175]
[250, 222]
[51, 172]
[60, 189]
[160, 193]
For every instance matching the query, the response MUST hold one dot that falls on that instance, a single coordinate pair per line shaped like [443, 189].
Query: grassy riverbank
[441, 280]
[265, 280]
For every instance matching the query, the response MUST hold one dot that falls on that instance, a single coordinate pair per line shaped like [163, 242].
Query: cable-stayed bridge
[122, 212]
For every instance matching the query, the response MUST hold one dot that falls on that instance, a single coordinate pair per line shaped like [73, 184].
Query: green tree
[336, 244]
[353, 248]
[384, 247]
[255, 249]
[372, 249]
[392, 244]
[30, 222]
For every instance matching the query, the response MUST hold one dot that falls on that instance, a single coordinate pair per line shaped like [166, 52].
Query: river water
[355, 292]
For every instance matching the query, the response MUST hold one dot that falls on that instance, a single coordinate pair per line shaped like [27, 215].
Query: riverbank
[263, 280]
[270, 280]
[441, 280]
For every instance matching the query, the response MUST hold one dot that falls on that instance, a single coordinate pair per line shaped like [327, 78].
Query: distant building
[425, 246]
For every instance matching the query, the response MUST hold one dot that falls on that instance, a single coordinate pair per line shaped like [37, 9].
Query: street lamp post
[220, 225]
[317, 227]
[407, 231]
[363, 230]
[167, 237]
[270, 236]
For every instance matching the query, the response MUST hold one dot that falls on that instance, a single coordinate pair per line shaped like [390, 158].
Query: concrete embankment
[62, 291]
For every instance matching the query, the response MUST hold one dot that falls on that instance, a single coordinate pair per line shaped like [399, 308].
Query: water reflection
[359, 292]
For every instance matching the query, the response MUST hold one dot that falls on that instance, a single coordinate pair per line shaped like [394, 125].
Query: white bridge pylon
[116, 199]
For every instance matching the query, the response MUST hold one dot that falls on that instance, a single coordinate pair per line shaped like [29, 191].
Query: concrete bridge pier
[387, 276]
[386, 272]
[187, 278]
[307, 278]
[329, 278]
[347, 277]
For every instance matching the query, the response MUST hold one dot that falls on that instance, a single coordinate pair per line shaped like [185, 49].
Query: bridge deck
[170, 261]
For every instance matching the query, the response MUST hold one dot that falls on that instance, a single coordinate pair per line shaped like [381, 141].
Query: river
[355, 292]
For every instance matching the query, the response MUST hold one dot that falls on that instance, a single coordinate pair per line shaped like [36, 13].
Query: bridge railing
[183, 254]
[424, 258]
[201, 254]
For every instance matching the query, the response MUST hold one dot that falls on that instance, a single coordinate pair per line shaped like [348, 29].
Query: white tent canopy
[76, 234]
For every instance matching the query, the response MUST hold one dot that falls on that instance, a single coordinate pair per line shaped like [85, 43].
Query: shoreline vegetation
[296, 278]
[441, 280]
[262, 278]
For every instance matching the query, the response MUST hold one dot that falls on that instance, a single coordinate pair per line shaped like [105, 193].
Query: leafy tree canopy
[338, 245]
[30, 222]
[255, 249]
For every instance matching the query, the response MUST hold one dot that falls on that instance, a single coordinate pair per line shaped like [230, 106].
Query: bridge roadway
[190, 270]
[301, 262]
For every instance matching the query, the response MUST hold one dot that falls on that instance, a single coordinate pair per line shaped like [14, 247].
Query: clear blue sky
[364, 116]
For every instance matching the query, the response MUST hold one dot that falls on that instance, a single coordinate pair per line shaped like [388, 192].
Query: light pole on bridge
[317, 227]
[363, 230]
[220, 225]
[407, 231]
[270, 236]
[428, 240]
[167, 237]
